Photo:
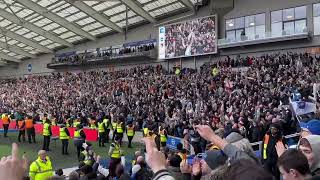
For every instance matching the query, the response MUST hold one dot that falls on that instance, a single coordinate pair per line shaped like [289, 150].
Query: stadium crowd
[217, 110]
[191, 38]
[82, 57]
[248, 100]
[230, 159]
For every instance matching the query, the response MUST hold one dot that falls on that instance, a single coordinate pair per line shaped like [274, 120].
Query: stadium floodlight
[138, 10]
[55, 18]
[24, 40]
[8, 58]
[34, 28]
[103, 19]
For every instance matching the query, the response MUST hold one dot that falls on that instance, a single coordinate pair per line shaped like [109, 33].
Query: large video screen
[189, 38]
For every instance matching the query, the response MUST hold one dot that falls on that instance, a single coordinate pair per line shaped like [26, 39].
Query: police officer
[46, 134]
[145, 130]
[79, 139]
[114, 129]
[115, 154]
[102, 133]
[22, 132]
[44, 119]
[93, 123]
[76, 122]
[163, 136]
[120, 130]
[87, 154]
[41, 168]
[130, 133]
[64, 136]
[107, 124]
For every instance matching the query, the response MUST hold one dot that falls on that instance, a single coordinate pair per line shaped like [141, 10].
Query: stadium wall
[241, 8]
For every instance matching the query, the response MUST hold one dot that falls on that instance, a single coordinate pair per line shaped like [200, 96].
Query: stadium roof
[32, 27]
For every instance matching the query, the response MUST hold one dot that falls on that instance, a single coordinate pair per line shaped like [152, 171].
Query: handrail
[287, 137]
[263, 36]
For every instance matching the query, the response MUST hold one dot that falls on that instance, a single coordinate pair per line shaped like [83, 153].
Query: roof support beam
[16, 50]
[139, 10]
[95, 15]
[24, 40]
[34, 28]
[55, 18]
[8, 58]
[188, 3]
[2, 63]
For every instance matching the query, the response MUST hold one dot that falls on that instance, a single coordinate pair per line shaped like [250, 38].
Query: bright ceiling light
[230, 24]
[252, 24]
[289, 17]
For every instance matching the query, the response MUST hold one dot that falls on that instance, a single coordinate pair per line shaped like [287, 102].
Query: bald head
[140, 159]
[137, 153]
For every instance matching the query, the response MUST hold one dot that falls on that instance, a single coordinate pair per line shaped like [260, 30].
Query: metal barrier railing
[255, 144]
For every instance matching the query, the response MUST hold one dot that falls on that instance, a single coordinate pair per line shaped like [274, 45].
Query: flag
[301, 107]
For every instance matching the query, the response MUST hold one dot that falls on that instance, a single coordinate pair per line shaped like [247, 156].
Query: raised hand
[196, 168]
[12, 167]
[280, 148]
[185, 168]
[155, 159]
[205, 132]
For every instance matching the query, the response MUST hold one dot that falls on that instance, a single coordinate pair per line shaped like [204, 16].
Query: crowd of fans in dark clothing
[82, 57]
[206, 108]
[248, 100]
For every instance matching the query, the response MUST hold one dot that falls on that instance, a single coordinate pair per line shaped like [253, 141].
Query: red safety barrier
[92, 134]
[12, 125]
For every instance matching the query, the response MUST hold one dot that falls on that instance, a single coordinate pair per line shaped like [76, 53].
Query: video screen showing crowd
[189, 38]
[217, 111]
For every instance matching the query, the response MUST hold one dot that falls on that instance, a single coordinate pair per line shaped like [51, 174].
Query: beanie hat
[276, 125]
[234, 137]
[215, 158]
[175, 160]
[313, 126]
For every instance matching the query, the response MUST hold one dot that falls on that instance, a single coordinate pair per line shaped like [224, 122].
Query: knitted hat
[215, 158]
[313, 126]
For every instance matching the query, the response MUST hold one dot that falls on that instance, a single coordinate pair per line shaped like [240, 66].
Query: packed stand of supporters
[191, 38]
[228, 159]
[218, 111]
[245, 100]
[83, 57]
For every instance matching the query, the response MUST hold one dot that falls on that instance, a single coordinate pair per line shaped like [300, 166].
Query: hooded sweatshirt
[314, 141]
